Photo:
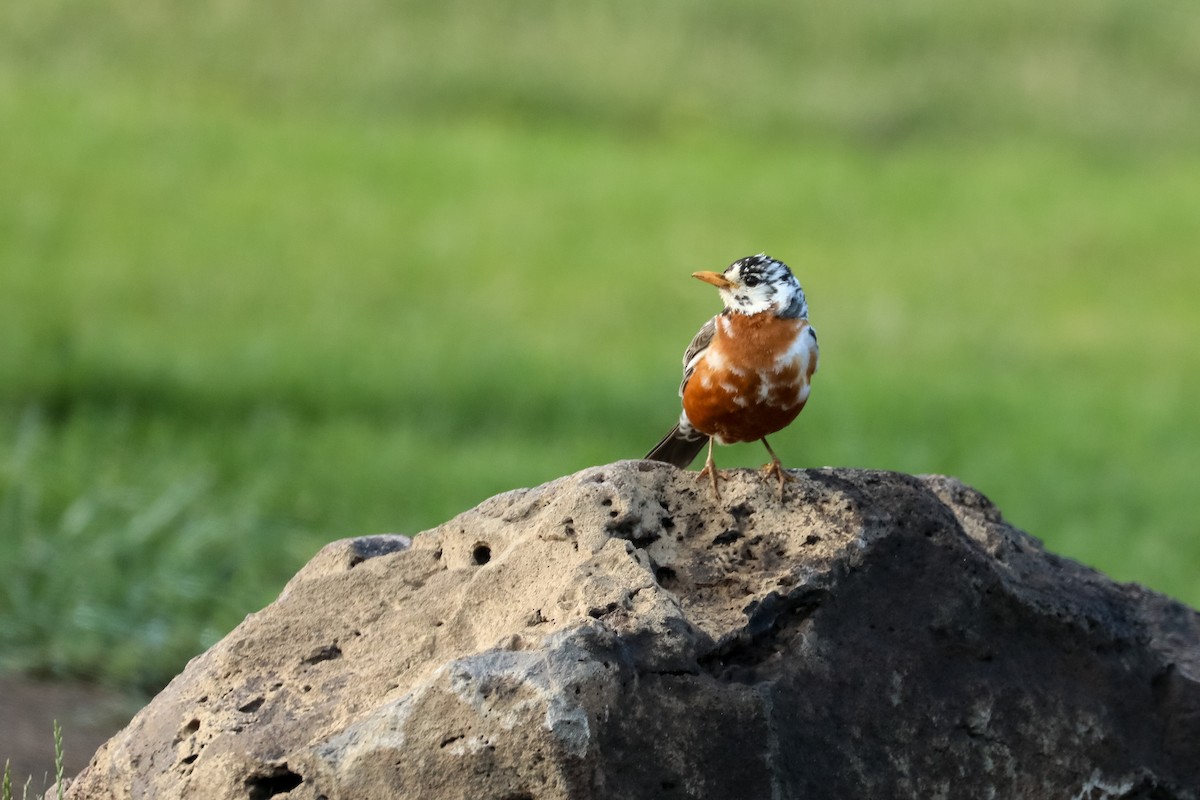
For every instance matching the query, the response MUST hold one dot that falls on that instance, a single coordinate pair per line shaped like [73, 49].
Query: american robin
[746, 373]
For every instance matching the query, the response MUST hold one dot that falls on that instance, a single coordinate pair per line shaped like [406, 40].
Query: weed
[6, 789]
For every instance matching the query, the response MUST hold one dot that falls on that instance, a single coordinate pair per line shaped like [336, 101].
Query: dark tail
[678, 448]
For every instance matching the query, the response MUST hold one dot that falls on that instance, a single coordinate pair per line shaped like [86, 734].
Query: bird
[747, 372]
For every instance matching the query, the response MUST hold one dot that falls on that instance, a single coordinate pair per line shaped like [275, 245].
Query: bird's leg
[775, 466]
[710, 469]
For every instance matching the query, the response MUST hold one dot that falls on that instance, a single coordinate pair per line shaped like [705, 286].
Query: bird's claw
[711, 472]
[781, 474]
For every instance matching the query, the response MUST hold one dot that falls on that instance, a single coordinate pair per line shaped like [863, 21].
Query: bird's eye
[751, 280]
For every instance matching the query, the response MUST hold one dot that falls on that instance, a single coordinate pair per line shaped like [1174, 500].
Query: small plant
[58, 759]
[6, 790]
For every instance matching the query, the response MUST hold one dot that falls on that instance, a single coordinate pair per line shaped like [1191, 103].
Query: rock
[619, 633]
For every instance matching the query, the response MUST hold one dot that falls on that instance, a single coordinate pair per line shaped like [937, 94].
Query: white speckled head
[760, 283]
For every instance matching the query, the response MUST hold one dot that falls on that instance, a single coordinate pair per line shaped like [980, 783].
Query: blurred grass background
[274, 274]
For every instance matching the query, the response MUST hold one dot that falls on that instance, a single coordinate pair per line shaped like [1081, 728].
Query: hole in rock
[741, 512]
[252, 706]
[665, 576]
[728, 537]
[596, 612]
[189, 759]
[327, 653]
[482, 554]
[280, 780]
[367, 547]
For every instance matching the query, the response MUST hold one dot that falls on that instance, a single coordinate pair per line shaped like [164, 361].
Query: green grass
[6, 787]
[271, 279]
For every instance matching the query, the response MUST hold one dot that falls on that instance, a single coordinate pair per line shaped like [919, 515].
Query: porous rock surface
[620, 633]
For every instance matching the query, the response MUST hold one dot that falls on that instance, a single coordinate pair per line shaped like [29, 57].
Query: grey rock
[619, 633]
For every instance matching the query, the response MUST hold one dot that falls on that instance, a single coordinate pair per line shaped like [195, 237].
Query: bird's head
[758, 283]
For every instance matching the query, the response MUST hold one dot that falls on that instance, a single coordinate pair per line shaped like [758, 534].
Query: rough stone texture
[619, 633]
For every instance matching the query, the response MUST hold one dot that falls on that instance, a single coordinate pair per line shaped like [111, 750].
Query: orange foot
[776, 467]
[710, 469]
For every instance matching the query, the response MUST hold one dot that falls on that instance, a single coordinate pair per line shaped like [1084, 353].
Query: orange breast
[753, 379]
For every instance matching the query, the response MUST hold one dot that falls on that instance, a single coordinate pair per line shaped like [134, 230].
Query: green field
[271, 276]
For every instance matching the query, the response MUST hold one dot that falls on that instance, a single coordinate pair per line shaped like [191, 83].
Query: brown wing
[700, 343]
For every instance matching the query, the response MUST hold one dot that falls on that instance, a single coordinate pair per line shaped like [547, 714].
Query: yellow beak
[715, 278]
